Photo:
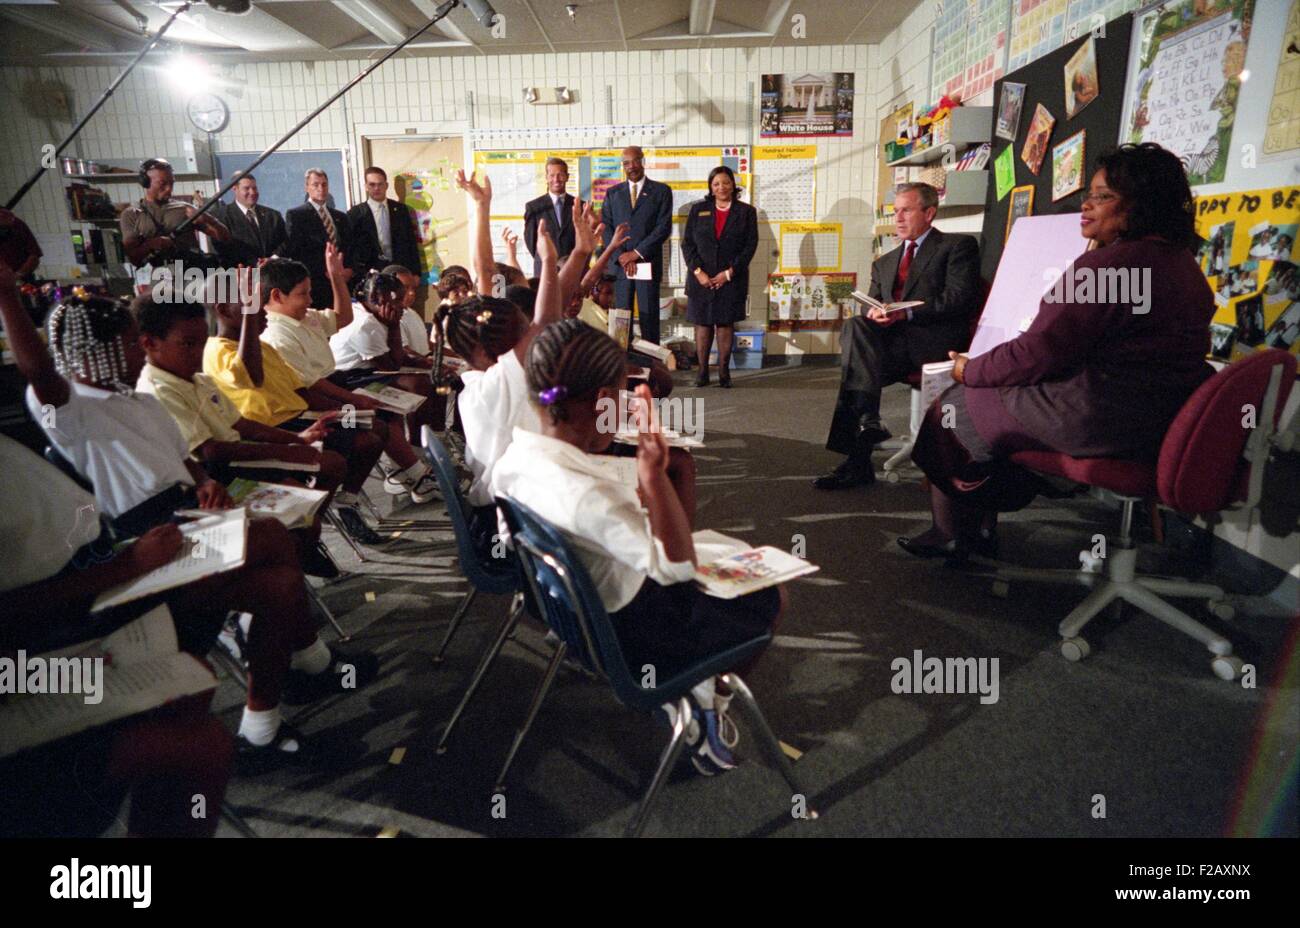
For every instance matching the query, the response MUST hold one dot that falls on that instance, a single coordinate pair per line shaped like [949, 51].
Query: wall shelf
[967, 126]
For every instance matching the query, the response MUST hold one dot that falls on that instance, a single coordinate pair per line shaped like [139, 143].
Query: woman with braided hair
[635, 542]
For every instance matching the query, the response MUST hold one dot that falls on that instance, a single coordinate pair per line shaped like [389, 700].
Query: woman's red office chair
[1212, 457]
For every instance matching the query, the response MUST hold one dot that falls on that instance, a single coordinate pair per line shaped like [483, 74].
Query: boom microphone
[480, 10]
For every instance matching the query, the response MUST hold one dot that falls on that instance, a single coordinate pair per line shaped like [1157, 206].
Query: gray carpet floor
[1142, 722]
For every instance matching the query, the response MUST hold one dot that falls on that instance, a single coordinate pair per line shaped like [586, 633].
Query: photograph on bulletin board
[1189, 70]
[1251, 260]
[1067, 166]
[1013, 98]
[1040, 130]
[806, 105]
[1081, 81]
[1022, 204]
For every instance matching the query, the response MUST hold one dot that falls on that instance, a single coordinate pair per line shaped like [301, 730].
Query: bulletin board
[1044, 82]
[281, 177]
[519, 175]
[1251, 257]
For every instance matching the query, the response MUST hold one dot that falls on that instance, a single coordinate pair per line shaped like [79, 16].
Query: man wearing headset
[149, 227]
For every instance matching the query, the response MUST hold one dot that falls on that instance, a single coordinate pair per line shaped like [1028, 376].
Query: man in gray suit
[878, 348]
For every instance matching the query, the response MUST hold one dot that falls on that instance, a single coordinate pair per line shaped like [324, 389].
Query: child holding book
[131, 451]
[635, 542]
[74, 786]
[375, 341]
[301, 335]
[266, 390]
[174, 335]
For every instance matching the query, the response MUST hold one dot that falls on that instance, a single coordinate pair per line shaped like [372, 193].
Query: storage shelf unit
[967, 126]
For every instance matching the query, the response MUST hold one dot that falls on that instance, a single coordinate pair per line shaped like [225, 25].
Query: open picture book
[892, 308]
[392, 399]
[134, 669]
[730, 567]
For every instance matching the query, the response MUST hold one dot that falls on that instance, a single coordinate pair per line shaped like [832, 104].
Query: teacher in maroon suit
[718, 243]
[1101, 377]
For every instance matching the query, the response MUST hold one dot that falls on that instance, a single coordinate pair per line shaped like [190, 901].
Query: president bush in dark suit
[556, 207]
[877, 349]
[256, 232]
[383, 230]
[647, 207]
[309, 227]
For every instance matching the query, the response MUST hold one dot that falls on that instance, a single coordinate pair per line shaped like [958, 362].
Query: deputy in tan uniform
[150, 227]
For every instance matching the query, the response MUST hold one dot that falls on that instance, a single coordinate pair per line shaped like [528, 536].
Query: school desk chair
[485, 574]
[1211, 460]
[570, 606]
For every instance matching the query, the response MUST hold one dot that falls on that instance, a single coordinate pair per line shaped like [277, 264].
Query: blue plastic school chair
[485, 574]
[570, 606]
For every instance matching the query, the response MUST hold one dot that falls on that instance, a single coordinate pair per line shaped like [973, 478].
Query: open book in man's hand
[900, 308]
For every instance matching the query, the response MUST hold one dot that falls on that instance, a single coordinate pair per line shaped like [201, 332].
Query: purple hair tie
[553, 395]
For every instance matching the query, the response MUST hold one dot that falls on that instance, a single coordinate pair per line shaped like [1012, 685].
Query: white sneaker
[423, 489]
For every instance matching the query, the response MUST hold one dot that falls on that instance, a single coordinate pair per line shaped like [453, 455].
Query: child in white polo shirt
[130, 449]
[302, 337]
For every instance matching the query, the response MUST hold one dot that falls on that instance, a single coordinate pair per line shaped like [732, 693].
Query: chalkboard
[1044, 81]
[280, 177]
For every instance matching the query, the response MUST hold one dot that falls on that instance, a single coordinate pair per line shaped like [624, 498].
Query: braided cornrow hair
[571, 360]
[486, 322]
[86, 339]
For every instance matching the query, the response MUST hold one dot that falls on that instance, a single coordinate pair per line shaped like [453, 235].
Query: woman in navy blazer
[1097, 374]
[718, 243]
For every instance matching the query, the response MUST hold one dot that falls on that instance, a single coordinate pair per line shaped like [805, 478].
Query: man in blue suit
[647, 207]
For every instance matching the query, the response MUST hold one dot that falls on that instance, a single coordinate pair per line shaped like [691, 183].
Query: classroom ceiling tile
[85, 31]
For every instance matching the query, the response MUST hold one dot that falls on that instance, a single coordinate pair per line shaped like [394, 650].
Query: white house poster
[806, 105]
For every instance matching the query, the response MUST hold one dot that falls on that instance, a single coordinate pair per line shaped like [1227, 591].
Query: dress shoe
[702, 379]
[845, 476]
[956, 552]
[927, 550]
[873, 435]
[724, 380]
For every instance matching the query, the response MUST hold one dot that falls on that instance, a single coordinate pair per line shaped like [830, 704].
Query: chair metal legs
[516, 609]
[339, 527]
[904, 453]
[313, 597]
[667, 761]
[455, 622]
[772, 747]
[547, 679]
[236, 821]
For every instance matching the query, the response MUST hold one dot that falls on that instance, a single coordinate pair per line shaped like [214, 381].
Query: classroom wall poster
[810, 247]
[1283, 131]
[1191, 55]
[815, 103]
[800, 298]
[1252, 262]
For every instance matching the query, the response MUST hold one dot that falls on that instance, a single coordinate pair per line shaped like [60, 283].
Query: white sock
[260, 726]
[344, 498]
[703, 693]
[413, 473]
[312, 659]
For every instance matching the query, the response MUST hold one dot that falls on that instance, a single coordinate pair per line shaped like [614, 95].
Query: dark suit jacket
[734, 250]
[544, 207]
[945, 273]
[1100, 377]
[365, 238]
[246, 246]
[305, 241]
[650, 222]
